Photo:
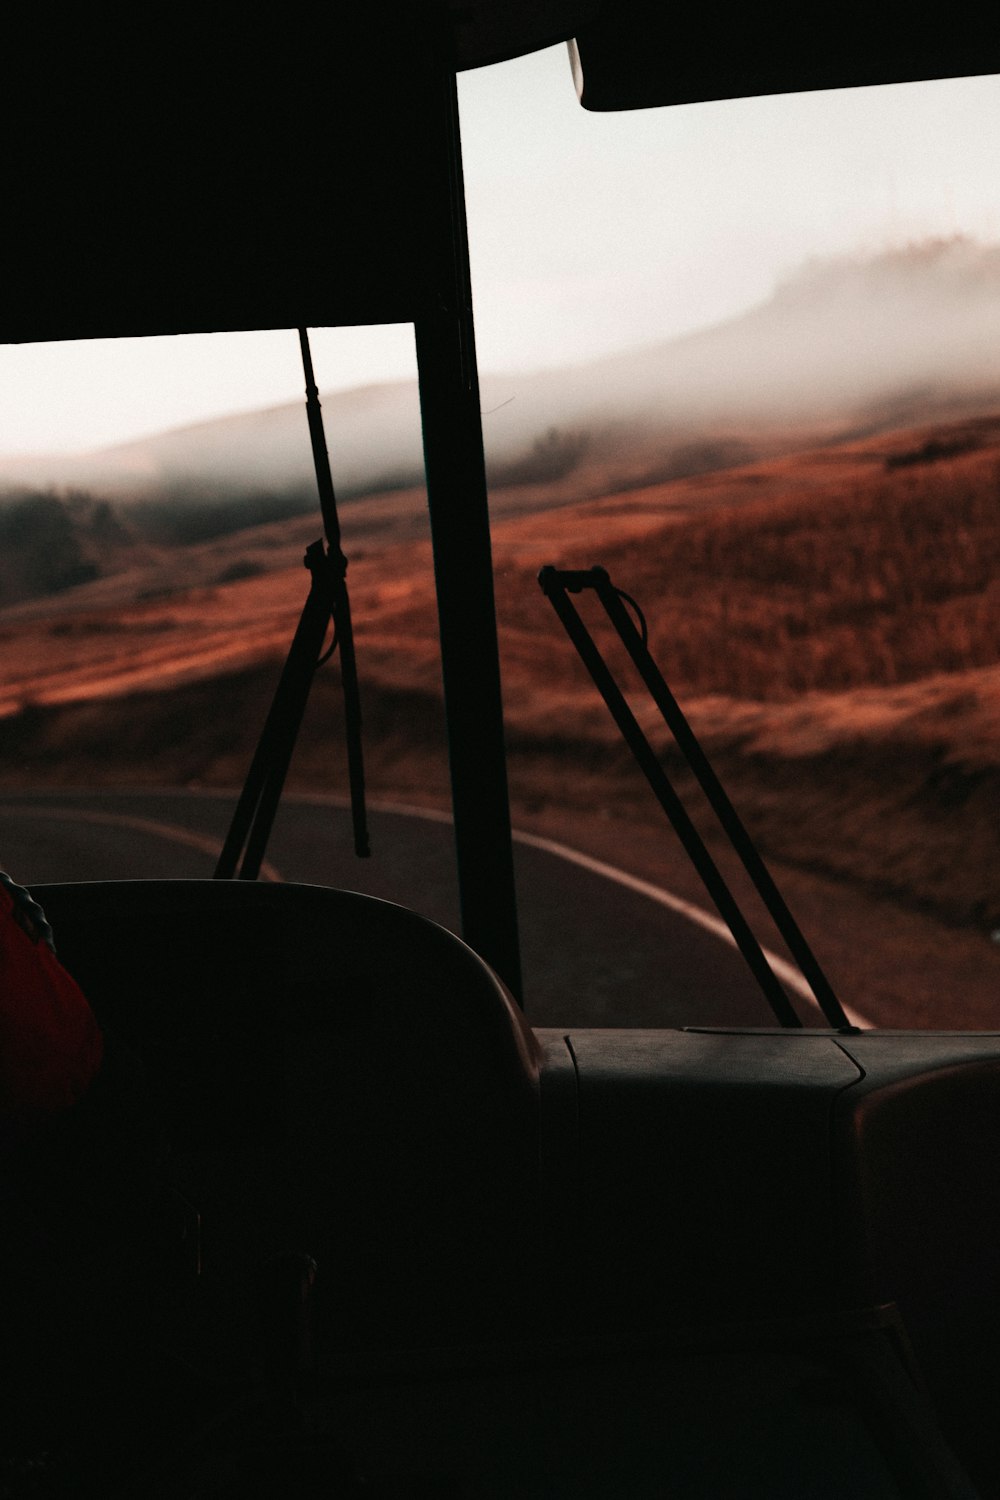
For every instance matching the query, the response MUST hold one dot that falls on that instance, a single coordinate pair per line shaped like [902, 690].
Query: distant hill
[842, 349]
[828, 620]
[50, 543]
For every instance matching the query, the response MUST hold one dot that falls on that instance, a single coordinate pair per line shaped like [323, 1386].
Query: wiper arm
[327, 599]
[340, 603]
[558, 584]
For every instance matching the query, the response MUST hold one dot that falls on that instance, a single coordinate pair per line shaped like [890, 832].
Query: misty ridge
[844, 348]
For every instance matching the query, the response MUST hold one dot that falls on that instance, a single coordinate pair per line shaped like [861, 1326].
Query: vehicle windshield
[740, 354]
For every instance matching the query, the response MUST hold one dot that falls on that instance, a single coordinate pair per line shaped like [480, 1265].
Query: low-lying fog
[841, 348]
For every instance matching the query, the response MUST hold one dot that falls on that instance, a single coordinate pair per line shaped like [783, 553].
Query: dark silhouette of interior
[351, 1224]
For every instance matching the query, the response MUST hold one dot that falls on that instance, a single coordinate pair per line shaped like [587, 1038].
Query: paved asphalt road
[595, 952]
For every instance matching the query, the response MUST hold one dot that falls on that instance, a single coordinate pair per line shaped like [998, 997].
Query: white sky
[590, 233]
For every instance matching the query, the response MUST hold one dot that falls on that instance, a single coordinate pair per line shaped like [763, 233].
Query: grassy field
[829, 621]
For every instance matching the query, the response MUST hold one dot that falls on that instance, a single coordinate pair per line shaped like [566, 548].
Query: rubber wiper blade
[557, 584]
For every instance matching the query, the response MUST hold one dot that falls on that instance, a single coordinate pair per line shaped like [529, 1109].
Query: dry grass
[876, 583]
[829, 622]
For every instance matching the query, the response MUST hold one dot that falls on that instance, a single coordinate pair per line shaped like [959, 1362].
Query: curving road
[599, 947]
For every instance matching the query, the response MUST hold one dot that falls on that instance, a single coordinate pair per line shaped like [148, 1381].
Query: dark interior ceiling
[261, 175]
[289, 168]
[639, 54]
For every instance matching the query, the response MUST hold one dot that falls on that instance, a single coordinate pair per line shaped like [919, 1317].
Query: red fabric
[50, 1043]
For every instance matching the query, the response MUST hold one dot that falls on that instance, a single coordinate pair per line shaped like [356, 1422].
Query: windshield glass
[742, 355]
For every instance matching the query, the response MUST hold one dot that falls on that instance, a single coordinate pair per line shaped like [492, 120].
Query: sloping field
[830, 622]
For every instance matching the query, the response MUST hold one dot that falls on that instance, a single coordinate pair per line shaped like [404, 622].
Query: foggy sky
[589, 234]
[843, 346]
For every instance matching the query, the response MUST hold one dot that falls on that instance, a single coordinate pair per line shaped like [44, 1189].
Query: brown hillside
[829, 622]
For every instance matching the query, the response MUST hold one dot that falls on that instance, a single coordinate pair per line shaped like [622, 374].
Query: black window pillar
[463, 565]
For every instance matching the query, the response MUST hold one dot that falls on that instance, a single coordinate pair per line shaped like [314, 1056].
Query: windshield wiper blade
[557, 584]
[340, 602]
[327, 600]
